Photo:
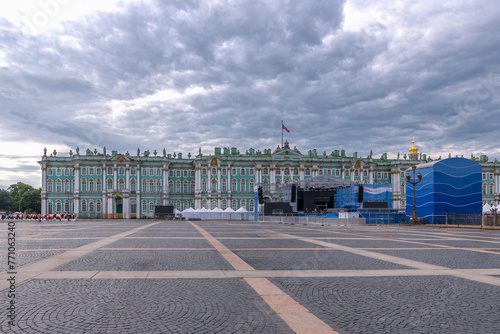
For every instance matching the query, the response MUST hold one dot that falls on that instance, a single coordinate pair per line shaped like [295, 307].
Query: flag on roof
[283, 127]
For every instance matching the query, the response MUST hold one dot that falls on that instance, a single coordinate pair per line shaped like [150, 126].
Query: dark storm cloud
[185, 74]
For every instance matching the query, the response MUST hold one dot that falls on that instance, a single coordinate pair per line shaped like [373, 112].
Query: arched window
[58, 207]
[278, 181]
[50, 186]
[171, 187]
[224, 185]
[66, 206]
[278, 171]
[243, 186]
[492, 188]
[91, 185]
[250, 185]
[110, 171]
[144, 186]
[296, 171]
[178, 205]
[178, 187]
[98, 206]
[58, 186]
[121, 171]
[224, 204]
[152, 187]
[98, 185]
[243, 204]
[66, 186]
[235, 205]
[50, 207]
[133, 186]
[84, 185]
[151, 206]
[91, 206]
[265, 171]
[204, 204]
[214, 171]
[204, 185]
[233, 185]
[185, 205]
[251, 204]
[110, 184]
[265, 186]
[185, 187]
[144, 206]
[287, 171]
[158, 186]
[484, 189]
[192, 186]
[214, 185]
[133, 207]
[308, 172]
[84, 206]
[214, 204]
[121, 185]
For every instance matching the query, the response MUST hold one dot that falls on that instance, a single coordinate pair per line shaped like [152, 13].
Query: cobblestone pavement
[146, 276]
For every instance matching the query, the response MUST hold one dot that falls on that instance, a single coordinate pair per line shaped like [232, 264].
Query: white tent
[189, 213]
[203, 213]
[487, 208]
[217, 213]
[242, 209]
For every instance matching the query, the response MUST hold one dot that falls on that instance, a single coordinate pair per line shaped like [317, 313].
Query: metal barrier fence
[464, 219]
[383, 217]
[313, 220]
[491, 220]
[89, 216]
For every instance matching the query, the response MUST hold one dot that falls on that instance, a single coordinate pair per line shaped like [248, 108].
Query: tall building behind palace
[116, 185]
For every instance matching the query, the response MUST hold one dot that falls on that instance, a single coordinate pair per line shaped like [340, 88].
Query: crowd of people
[39, 217]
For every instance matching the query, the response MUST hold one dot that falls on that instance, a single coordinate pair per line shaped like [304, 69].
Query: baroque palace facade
[117, 185]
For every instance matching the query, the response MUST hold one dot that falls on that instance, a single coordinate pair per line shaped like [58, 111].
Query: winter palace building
[99, 184]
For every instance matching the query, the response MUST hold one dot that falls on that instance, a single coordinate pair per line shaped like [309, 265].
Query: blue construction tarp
[348, 197]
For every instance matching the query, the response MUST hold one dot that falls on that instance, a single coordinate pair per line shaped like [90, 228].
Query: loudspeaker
[360, 194]
[294, 193]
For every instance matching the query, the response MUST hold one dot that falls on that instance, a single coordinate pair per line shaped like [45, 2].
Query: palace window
[58, 171]
[110, 171]
[91, 206]
[265, 171]
[84, 185]
[356, 173]
[484, 176]
[251, 205]
[224, 185]
[485, 189]
[110, 184]
[171, 187]
[49, 171]
[320, 172]
[158, 186]
[233, 171]
[144, 206]
[379, 175]
[66, 206]
[151, 171]
[243, 186]
[178, 187]
[98, 171]
[185, 187]
[402, 175]
[491, 176]
[133, 207]
[243, 172]
[178, 173]
[224, 204]
[278, 171]
[192, 173]
[204, 185]
[98, 206]
[233, 186]
[235, 205]
[250, 185]
[158, 171]
[170, 173]
[58, 206]
[308, 172]
[204, 204]
[144, 171]
[91, 185]
[251, 172]
[151, 206]
[185, 173]
[214, 185]
[385, 175]
[91, 170]
[192, 186]
[214, 204]
[144, 186]
[84, 171]
[133, 185]
[133, 171]
[66, 186]
[347, 173]
[365, 173]
[329, 172]
[66, 171]
[203, 171]
[287, 171]
[84, 206]
[337, 172]
[152, 188]
[243, 204]
[214, 171]
[121, 185]
[296, 171]
[492, 189]
[121, 171]
[50, 207]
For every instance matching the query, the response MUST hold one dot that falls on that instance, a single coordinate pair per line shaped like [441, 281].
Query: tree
[24, 197]
[6, 203]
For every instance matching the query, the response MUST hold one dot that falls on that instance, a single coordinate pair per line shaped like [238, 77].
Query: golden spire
[413, 149]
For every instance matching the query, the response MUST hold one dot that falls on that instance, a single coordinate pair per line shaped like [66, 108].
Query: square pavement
[146, 276]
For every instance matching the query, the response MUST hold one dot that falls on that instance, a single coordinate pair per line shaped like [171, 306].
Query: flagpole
[281, 133]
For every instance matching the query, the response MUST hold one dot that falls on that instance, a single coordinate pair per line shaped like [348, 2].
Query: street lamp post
[414, 183]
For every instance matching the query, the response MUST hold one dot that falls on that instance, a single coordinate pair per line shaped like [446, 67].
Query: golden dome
[413, 149]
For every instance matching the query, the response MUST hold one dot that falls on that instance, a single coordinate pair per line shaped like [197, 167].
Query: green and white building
[122, 185]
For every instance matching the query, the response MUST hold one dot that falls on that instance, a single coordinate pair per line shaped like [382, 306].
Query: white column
[352, 174]
[126, 207]
[76, 197]
[165, 184]
[115, 177]
[43, 193]
[110, 206]
[127, 177]
[301, 172]
[197, 187]
[138, 193]
[371, 172]
[104, 207]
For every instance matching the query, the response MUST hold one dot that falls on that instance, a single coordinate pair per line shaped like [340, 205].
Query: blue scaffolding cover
[348, 197]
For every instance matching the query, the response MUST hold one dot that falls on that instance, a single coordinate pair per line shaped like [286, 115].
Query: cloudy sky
[358, 75]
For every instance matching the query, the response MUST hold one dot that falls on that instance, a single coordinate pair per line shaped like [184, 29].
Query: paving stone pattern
[399, 304]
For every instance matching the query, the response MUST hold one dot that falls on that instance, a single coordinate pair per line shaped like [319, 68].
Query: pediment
[120, 158]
